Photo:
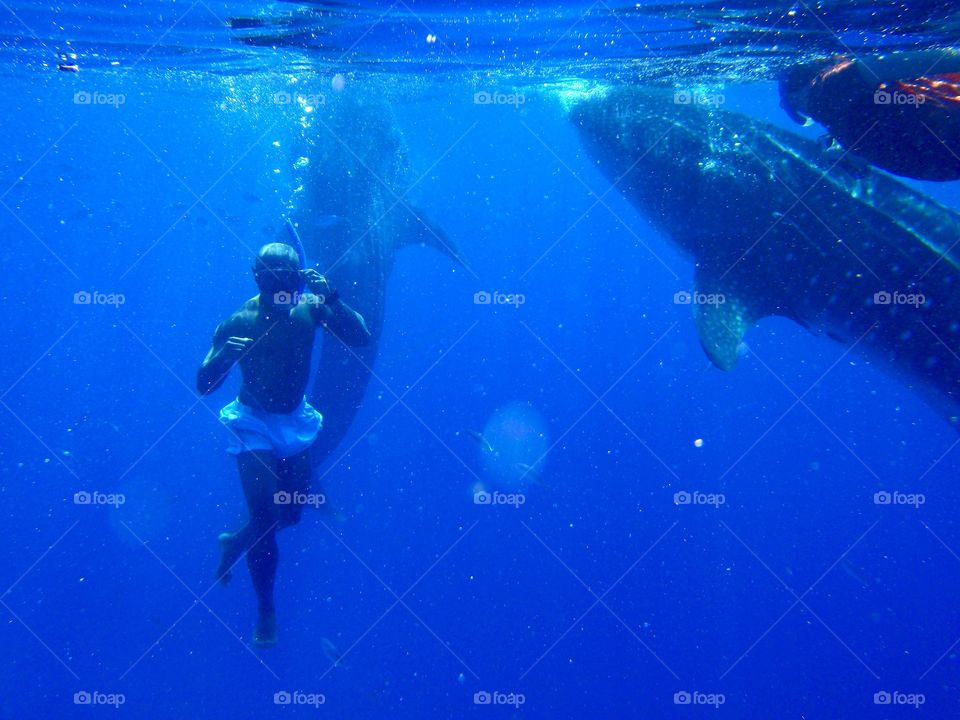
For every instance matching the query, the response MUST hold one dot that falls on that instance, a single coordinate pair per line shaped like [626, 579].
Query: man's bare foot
[265, 634]
[230, 551]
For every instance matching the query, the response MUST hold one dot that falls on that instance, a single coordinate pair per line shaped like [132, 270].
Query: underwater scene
[441, 359]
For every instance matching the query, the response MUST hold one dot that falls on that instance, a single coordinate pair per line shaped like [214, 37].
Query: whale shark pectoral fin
[423, 231]
[721, 328]
[722, 319]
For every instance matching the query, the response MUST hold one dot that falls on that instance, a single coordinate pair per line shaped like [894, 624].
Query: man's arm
[334, 315]
[342, 321]
[224, 352]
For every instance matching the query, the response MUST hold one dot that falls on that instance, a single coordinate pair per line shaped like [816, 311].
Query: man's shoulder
[242, 316]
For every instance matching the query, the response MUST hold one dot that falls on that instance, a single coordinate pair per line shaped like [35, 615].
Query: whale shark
[777, 227]
[352, 214]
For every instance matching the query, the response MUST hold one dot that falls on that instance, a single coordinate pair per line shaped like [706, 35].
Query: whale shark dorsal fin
[421, 230]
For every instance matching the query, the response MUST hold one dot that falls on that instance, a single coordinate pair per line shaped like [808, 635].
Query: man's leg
[294, 474]
[258, 475]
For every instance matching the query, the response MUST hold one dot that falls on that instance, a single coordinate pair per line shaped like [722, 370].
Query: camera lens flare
[515, 448]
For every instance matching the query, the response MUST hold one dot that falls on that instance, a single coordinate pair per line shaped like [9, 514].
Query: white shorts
[284, 434]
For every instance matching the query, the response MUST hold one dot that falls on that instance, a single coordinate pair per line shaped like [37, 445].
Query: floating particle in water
[461, 678]
[698, 442]
[338, 82]
[431, 39]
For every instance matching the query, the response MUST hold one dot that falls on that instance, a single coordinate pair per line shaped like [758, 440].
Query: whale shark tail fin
[421, 230]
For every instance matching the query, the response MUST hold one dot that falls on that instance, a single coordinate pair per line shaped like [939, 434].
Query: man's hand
[316, 283]
[234, 348]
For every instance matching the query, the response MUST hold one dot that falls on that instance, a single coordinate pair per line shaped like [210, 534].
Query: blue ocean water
[153, 174]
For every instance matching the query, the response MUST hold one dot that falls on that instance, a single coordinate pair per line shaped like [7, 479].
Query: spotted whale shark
[353, 216]
[777, 227]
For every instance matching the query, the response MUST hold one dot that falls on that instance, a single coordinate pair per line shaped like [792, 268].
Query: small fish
[855, 572]
[245, 23]
[484, 444]
[68, 62]
[333, 655]
[326, 222]
[829, 144]
[529, 471]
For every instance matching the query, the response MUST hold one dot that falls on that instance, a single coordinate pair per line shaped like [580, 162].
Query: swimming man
[272, 425]
[900, 112]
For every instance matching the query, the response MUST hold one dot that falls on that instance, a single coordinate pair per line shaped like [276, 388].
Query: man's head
[797, 82]
[277, 269]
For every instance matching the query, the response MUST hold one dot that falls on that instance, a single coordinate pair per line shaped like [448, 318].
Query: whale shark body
[353, 217]
[777, 227]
